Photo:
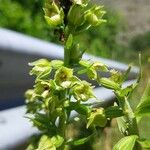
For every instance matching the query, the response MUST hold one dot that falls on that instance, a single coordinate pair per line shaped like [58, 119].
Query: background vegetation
[27, 17]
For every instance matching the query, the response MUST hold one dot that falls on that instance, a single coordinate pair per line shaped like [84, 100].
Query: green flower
[91, 69]
[30, 95]
[97, 118]
[94, 15]
[116, 76]
[56, 64]
[46, 143]
[41, 68]
[83, 91]
[53, 14]
[100, 66]
[43, 89]
[63, 77]
[94, 68]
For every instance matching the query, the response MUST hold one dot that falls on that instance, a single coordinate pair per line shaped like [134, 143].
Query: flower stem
[66, 57]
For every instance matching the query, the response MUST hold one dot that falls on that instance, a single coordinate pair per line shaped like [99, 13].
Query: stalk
[66, 57]
[62, 128]
[63, 120]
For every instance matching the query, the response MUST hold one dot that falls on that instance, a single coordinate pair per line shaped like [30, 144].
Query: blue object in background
[6, 104]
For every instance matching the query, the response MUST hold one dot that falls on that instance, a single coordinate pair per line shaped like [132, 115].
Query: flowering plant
[58, 89]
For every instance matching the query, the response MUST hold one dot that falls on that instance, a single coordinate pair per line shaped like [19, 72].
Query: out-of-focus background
[122, 38]
[126, 32]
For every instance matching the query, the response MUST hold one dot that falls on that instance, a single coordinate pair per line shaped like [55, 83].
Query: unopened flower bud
[108, 83]
[94, 16]
[75, 15]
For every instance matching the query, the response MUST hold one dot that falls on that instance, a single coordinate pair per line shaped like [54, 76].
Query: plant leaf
[81, 141]
[122, 125]
[145, 144]
[125, 75]
[113, 112]
[143, 109]
[69, 41]
[81, 109]
[126, 143]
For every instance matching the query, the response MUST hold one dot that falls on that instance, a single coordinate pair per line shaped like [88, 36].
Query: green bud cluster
[79, 16]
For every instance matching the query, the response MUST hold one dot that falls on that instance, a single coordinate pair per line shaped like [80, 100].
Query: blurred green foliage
[141, 42]
[26, 16]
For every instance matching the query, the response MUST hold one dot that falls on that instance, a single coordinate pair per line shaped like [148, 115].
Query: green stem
[62, 128]
[66, 57]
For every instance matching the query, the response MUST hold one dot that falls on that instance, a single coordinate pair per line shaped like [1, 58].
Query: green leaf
[69, 41]
[145, 144]
[80, 141]
[80, 108]
[143, 109]
[125, 75]
[126, 91]
[76, 54]
[45, 143]
[113, 112]
[126, 143]
[122, 125]
[42, 122]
